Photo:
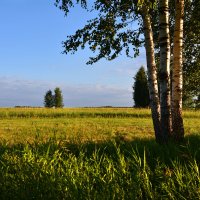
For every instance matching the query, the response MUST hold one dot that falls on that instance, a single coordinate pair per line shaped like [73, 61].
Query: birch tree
[177, 79]
[152, 73]
[164, 69]
[111, 33]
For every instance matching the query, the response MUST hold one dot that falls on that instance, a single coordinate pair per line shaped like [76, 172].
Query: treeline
[28, 107]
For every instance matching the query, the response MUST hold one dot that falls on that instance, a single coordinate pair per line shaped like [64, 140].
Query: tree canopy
[108, 34]
[191, 53]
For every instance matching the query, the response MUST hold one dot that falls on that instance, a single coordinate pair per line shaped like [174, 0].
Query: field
[95, 153]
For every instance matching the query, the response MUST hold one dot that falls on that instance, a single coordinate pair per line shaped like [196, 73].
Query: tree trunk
[177, 82]
[152, 74]
[164, 69]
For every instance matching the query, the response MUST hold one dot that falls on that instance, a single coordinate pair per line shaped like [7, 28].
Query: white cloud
[31, 92]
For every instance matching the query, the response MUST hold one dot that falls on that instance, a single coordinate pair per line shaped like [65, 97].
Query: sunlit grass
[94, 124]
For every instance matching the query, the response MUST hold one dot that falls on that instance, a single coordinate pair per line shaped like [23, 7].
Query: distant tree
[49, 99]
[141, 91]
[58, 98]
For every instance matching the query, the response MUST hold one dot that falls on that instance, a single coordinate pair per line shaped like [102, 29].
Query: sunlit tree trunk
[152, 73]
[177, 82]
[164, 69]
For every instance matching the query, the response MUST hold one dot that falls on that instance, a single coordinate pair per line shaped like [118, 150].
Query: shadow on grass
[112, 169]
[189, 149]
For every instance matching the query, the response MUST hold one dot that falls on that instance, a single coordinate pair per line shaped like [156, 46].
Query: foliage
[141, 91]
[108, 34]
[197, 103]
[58, 98]
[191, 65]
[49, 99]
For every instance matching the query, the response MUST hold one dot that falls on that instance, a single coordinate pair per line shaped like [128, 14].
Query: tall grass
[110, 170]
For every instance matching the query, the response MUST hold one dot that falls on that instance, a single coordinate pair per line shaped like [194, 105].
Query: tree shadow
[189, 149]
[43, 169]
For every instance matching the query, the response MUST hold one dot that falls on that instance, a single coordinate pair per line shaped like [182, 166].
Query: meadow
[95, 153]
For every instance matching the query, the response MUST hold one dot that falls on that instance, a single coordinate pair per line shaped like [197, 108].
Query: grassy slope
[94, 153]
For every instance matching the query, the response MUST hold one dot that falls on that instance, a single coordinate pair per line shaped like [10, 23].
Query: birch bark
[164, 69]
[152, 73]
[177, 76]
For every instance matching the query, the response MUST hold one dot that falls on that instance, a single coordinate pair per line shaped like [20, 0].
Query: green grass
[95, 153]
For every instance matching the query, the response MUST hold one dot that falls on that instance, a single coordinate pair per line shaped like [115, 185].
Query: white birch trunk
[177, 77]
[152, 73]
[164, 70]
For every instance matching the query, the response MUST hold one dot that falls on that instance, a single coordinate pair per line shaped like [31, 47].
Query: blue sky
[31, 62]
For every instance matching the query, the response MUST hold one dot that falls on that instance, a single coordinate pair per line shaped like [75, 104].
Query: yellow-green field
[95, 153]
[21, 125]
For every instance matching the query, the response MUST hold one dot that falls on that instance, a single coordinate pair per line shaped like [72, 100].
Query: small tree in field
[141, 91]
[58, 98]
[48, 99]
